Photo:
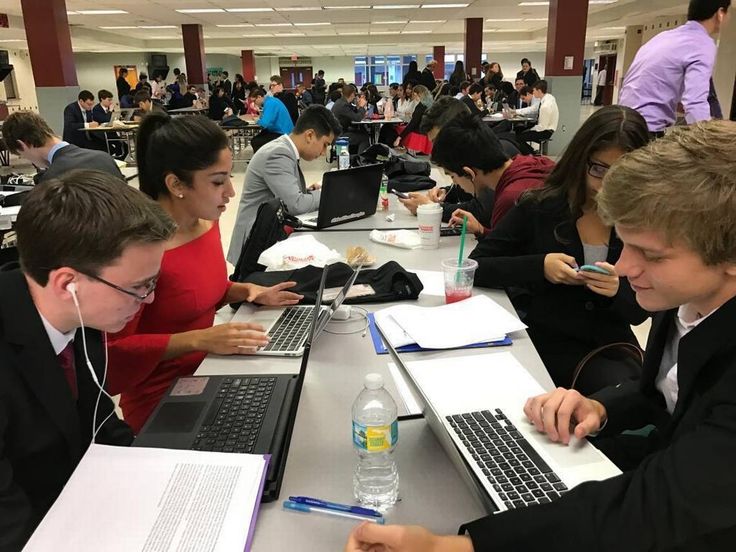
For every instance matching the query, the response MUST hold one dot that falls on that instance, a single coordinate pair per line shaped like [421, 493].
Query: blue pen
[295, 506]
[335, 506]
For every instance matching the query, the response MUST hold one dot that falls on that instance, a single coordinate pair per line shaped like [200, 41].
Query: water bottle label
[375, 438]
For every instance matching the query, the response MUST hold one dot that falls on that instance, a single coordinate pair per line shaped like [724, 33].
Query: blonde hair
[683, 185]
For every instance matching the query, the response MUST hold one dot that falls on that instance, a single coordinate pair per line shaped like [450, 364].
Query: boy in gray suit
[274, 172]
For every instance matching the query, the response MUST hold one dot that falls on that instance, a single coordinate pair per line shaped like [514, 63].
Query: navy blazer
[678, 490]
[43, 431]
[74, 120]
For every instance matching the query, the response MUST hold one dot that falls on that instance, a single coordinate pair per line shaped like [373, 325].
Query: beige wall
[24, 83]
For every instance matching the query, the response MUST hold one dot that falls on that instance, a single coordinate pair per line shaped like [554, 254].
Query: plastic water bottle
[343, 153]
[375, 435]
[383, 194]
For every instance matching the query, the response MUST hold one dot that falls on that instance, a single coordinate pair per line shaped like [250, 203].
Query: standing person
[675, 67]
[601, 80]
[123, 88]
[158, 90]
[77, 117]
[494, 77]
[90, 248]
[427, 76]
[238, 95]
[274, 172]
[676, 489]
[184, 164]
[226, 83]
[412, 76]
[319, 88]
[458, 75]
[276, 88]
[528, 73]
[274, 120]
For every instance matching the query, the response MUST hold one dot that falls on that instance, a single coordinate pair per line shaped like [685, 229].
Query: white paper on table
[432, 280]
[147, 499]
[406, 239]
[475, 320]
[8, 215]
[392, 332]
[411, 401]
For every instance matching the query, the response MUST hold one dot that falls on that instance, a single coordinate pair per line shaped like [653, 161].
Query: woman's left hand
[273, 296]
[602, 284]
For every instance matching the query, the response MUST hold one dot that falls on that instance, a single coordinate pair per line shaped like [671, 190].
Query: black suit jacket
[680, 491]
[347, 114]
[43, 431]
[100, 115]
[427, 79]
[72, 157]
[74, 120]
[467, 100]
[291, 103]
[512, 255]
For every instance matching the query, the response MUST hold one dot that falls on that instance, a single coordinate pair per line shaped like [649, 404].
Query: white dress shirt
[546, 111]
[602, 77]
[59, 340]
[687, 319]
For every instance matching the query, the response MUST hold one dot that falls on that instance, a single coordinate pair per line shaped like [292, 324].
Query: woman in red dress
[185, 165]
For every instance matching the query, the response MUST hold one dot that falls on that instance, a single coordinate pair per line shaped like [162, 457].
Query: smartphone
[402, 195]
[451, 231]
[596, 269]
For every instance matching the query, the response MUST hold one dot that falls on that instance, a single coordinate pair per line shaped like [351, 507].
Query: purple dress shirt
[674, 66]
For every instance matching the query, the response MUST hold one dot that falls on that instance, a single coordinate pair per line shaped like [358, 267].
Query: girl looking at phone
[540, 250]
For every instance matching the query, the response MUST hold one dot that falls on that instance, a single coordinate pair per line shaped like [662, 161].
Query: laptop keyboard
[236, 417]
[515, 471]
[290, 330]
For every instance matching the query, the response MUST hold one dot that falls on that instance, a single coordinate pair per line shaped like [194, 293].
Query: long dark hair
[611, 126]
[413, 67]
[179, 145]
[459, 70]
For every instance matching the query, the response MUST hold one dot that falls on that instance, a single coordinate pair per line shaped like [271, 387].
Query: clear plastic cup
[458, 279]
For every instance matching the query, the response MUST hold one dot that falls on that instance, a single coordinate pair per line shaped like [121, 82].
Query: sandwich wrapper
[405, 239]
[298, 252]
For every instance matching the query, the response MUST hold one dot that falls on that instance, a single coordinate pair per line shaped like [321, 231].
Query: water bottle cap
[373, 381]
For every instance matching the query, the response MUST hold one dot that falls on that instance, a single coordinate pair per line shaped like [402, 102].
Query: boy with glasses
[90, 250]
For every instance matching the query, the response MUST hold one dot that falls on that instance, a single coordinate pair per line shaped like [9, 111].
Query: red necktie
[66, 360]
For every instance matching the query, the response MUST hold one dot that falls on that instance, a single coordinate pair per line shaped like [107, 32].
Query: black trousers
[263, 138]
[531, 136]
[599, 95]
[358, 140]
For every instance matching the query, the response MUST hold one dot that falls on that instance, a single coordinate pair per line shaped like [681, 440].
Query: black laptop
[347, 195]
[242, 413]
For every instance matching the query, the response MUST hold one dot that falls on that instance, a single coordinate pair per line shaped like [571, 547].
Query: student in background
[123, 87]
[143, 84]
[472, 155]
[142, 100]
[407, 103]
[514, 99]
[675, 67]
[86, 239]
[601, 79]
[77, 117]
[102, 114]
[676, 492]
[473, 98]
[556, 229]
[412, 76]
[274, 120]
[411, 136]
[547, 114]
[226, 83]
[319, 88]
[184, 164]
[458, 74]
[464, 87]
[276, 88]
[333, 97]
[303, 96]
[220, 105]
[528, 73]
[346, 114]
[238, 95]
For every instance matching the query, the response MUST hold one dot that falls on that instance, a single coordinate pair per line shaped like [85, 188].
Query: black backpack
[273, 223]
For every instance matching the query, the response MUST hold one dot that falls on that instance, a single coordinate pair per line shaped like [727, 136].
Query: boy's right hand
[231, 338]
[559, 411]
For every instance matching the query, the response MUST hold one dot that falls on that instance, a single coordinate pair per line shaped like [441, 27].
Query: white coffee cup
[429, 220]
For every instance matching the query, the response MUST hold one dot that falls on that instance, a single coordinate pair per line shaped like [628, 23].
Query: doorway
[293, 75]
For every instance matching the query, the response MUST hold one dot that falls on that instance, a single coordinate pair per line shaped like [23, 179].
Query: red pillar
[438, 54]
[49, 43]
[474, 45]
[194, 57]
[249, 65]
[566, 37]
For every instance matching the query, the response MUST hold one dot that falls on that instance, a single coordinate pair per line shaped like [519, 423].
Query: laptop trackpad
[572, 455]
[176, 417]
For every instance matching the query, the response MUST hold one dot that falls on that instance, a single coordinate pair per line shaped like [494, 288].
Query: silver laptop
[288, 327]
[475, 404]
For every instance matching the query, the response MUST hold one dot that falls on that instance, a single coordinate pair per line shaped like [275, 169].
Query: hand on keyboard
[561, 410]
[274, 296]
[231, 338]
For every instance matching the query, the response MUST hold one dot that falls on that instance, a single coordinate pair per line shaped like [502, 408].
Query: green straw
[463, 231]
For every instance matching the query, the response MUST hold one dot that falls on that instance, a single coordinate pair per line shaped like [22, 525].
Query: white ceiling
[342, 31]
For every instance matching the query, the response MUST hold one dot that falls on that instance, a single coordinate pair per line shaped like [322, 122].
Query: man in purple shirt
[675, 67]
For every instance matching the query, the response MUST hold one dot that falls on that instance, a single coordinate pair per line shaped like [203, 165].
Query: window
[11, 90]
[381, 70]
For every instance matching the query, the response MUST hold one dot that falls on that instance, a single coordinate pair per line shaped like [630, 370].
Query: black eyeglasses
[597, 170]
[149, 287]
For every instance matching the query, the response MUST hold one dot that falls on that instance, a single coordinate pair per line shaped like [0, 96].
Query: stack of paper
[145, 499]
[478, 319]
